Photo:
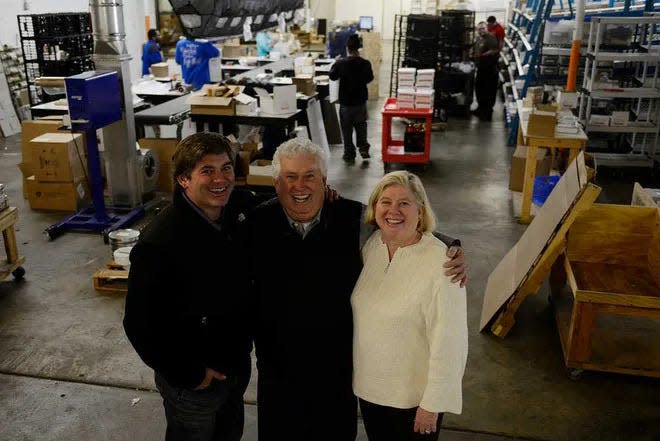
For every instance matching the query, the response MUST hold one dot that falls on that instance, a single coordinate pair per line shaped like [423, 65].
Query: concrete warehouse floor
[67, 370]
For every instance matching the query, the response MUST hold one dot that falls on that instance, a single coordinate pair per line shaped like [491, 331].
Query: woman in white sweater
[410, 338]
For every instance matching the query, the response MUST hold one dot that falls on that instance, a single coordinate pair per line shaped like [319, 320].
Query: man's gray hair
[300, 147]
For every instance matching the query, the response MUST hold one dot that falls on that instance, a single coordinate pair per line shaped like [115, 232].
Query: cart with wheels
[12, 263]
[393, 149]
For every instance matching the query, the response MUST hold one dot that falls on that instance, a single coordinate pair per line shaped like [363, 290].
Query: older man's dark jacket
[188, 298]
[304, 322]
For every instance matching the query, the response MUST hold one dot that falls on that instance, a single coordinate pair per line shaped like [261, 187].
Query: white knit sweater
[410, 340]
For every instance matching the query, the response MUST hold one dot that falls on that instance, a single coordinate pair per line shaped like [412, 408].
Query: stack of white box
[406, 88]
[406, 98]
[424, 98]
[406, 77]
[424, 79]
[424, 91]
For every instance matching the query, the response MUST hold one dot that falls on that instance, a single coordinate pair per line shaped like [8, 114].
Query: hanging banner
[226, 18]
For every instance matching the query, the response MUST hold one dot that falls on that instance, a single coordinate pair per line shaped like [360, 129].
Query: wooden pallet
[12, 263]
[113, 279]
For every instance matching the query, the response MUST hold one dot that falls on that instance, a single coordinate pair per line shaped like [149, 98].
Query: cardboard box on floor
[517, 176]
[58, 157]
[57, 196]
[164, 149]
[30, 129]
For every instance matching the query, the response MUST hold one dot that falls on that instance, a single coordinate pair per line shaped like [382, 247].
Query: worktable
[574, 142]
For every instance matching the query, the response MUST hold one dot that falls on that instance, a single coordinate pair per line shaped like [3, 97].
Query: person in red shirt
[496, 29]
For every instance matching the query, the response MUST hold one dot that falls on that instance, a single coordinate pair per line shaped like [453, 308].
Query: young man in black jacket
[353, 73]
[187, 308]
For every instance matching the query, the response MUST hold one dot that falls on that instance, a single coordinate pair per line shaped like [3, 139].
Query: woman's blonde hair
[427, 221]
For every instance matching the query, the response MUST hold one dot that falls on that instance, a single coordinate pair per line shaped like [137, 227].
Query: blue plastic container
[543, 186]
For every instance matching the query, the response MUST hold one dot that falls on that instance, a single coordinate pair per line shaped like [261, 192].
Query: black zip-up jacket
[354, 73]
[188, 298]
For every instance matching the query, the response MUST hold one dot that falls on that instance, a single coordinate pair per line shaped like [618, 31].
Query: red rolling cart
[392, 149]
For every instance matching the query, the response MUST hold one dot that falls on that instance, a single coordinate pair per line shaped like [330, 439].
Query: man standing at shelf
[497, 30]
[151, 51]
[353, 73]
[486, 53]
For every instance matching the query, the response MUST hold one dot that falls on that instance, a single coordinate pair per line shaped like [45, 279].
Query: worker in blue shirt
[264, 44]
[151, 51]
[194, 56]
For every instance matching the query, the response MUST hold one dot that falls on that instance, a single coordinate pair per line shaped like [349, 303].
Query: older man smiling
[306, 260]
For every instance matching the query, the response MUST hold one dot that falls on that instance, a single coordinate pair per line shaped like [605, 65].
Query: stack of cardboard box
[54, 167]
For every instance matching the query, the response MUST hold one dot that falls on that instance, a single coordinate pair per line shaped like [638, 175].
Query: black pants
[213, 414]
[383, 423]
[320, 410]
[354, 117]
[485, 88]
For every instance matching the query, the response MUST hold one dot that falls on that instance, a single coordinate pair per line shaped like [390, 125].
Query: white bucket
[123, 238]
[122, 256]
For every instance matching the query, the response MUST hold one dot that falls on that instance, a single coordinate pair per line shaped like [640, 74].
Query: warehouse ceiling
[225, 18]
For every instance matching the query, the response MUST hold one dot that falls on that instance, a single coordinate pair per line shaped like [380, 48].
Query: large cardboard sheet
[512, 270]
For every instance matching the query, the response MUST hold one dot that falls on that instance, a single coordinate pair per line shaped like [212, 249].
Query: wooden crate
[609, 320]
[113, 279]
[13, 261]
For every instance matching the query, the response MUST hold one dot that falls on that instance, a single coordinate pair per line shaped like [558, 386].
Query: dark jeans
[211, 414]
[383, 423]
[351, 117]
[485, 88]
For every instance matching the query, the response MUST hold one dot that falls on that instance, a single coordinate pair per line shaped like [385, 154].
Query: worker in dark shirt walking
[354, 73]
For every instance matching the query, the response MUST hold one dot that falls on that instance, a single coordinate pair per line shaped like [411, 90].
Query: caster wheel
[18, 273]
[575, 374]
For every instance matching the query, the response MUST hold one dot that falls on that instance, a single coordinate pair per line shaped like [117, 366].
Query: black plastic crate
[423, 26]
[32, 71]
[54, 25]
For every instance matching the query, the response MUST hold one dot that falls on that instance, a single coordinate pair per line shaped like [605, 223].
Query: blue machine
[94, 100]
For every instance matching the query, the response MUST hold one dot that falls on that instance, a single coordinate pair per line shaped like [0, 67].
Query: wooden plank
[11, 249]
[619, 298]
[7, 268]
[570, 276]
[540, 270]
[111, 280]
[579, 337]
[8, 217]
[531, 285]
[615, 278]
[601, 233]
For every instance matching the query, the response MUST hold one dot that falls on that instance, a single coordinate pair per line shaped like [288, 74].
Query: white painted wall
[383, 12]
[322, 9]
[134, 13]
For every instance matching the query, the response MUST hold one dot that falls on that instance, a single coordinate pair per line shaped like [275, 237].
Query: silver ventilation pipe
[124, 185]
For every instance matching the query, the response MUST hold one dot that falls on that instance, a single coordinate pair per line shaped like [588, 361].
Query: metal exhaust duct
[119, 138]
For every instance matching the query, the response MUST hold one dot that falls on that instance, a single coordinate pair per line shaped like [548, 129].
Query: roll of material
[50, 81]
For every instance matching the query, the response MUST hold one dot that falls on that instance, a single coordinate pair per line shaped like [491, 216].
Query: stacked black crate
[55, 45]
[455, 79]
[422, 36]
